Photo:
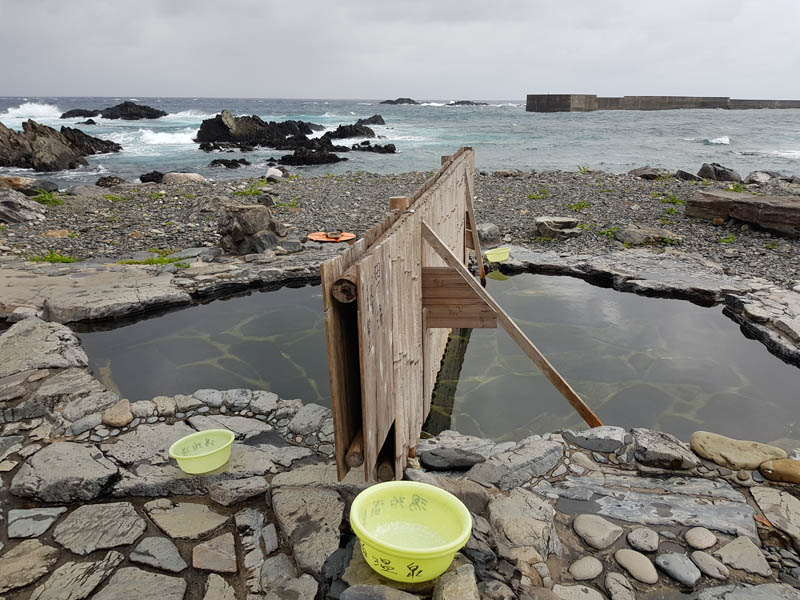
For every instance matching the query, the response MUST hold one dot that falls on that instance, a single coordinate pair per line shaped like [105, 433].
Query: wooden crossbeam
[512, 328]
[451, 302]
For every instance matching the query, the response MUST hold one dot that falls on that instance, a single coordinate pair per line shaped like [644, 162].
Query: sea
[503, 135]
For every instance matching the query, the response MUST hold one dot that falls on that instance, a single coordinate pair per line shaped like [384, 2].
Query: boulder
[373, 120]
[182, 178]
[761, 177]
[229, 163]
[733, 454]
[365, 146]
[776, 213]
[152, 177]
[557, 228]
[227, 128]
[16, 208]
[27, 185]
[716, 172]
[664, 450]
[109, 181]
[304, 156]
[596, 531]
[638, 236]
[249, 229]
[650, 173]
[489, 234]
[743, 554]
[88, 145]
[129, 111]
[38, 147]
[350, 131]
[400, 101]
[686, 176]
[782, 509]
[523, 519]
[76, 113]
[786, 470]
[88, 122]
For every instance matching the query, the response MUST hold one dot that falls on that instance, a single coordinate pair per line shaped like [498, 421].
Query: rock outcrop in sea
[127, 111]
[400, 101]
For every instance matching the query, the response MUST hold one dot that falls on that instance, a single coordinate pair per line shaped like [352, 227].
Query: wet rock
[731, 453]
[25, 563]
[716, 172]
[606, 438]
[786, 470]
[34, 344]
[664, 450]
[679, 567]
[276, 569]
[303, 588]
[118, 415]
[596, 531]
[524, 519]
[743, 554]
[76, 580]
[643, 539]
[217, 554]
[158, 552]
[231, 492]
[16, 208]
[449, 459]
[650, 173]
[458, 584]
[229, 163]
[530, 458]
[109, 181]
[29, 186]
[146, 442]
[10, 444]
[576, 592]
[637, 564]
[381, 592]
[32, 522]
[263, 403]
[709, 565]
[585, 568]
[241, 426]
[782, 509]
[619, 588]
[152, 177]
[64, 472]
[130, 111]
[130, 583]
[87, 145]
[309, 518]
[98, 527]
[218, 589]
[309, 419]
[700, 538]
[184, 520]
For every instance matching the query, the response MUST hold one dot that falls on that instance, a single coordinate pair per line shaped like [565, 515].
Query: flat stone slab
[76, 580]
[25, 563]
[767, 591]
[158, 552]
[776, 213]
[241, 426]
[525, 519]
[217, 554]
[674, 501]
[35, 344]
[32, 522]
[130, 583]
[99, 526]
[743, 554]
[184, 520]
[606, 438]
[218, 589]
[531, 457]
[63, 472]
[782, 509]
[146, 442]
[663, 450]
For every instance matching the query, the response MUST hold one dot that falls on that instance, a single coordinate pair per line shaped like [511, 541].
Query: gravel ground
[121, 220]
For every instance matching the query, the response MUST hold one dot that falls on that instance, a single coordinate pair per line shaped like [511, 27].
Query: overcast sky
[426, 49]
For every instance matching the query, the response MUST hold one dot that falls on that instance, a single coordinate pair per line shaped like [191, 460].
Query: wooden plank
[455, 311]
[513, 330]
[447, 292]
[473, 227]
[473, 299]
[461, 322]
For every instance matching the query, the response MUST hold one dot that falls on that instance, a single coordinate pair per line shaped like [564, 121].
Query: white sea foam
[722, 140]
[32, 110]
[786, 153]
[184, 136]
[432, 104]
[134, 99]
[190, 114]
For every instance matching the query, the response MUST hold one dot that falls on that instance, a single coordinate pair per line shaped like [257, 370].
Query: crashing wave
[32, 110]
[722, 140]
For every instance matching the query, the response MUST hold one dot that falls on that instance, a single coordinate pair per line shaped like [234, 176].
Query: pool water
[637, 361]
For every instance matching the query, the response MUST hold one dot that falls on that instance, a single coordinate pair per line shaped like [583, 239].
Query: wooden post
[473, 227]
[399, 202]
[355, 454]
[513, 329]
[345, 288]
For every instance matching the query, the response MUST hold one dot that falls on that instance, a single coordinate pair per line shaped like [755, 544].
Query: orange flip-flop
[322, 236]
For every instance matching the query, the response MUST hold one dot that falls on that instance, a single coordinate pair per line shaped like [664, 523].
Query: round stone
[679, 567]
[709, 565]
[637, 564]
[596, 531]
[700, 538]
[585, 568]
[643, 539]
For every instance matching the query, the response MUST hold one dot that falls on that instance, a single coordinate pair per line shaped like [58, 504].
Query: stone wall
[588, 102]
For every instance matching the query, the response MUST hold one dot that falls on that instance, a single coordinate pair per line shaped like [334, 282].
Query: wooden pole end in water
[355, 453]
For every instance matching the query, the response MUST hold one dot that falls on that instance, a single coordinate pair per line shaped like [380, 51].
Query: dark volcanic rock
[88, 122]
[467, 103]
[80, 112]
[450, 459]
[88, 145]
[37, 147]
[253, 130]
[717, 172]
[686, 176]
[400, 101]
[109, 181]
[650, 173]
[16, 208]
[373, 120]
[229, 163]
[350, 131]
[365, 146]
[249, 229]
[303, 156]
[152, 177]
[129, 111]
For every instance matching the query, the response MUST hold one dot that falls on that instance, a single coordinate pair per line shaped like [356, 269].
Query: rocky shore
[92, 506]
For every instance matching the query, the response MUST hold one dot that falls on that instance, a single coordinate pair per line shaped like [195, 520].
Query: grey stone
[10, 444]
[664, 450]
[717, 172]
[606, 438]
[454, 439]
[530, 458]
[146, 442]
[63, 472]
[585, 568]
[496, 590]
[743, 554]
[276, 569]
[237, 490]
[449, 459]
[489, 234]
[303, 588]
[577, 592]
[700, 538]
[158, 552]
[86, 423]
[270, 537]
[15, 207]
[782, 509]
[376, 592]
[458, 584]
[263, 403]
[637, 235]
[35, 344]
[76, 580]
[25, 563]
[309, 419]
[596, 531]
[98, 527]
[31, 522]
[309, 519]
[212, 398]
[96, 402]
[637, 564]
[184, 520]
[143, 409]
[643, 539]
[524, 519]
[75, 381]
[709, 565]
[619, 588]
[557, 228]
[218, 589]
[238, 399]
[241, 426]
[679, 567]
[164, 405]
[217, 554]
[184, 403]
[767, 591]
[130, 583]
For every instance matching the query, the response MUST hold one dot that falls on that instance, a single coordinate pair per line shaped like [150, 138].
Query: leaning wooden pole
[512, 328]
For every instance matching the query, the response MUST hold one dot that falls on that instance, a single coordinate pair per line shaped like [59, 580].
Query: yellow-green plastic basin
[498, 254]
[409, 531]
[202, 452]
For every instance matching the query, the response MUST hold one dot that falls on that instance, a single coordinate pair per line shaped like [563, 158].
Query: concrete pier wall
[590, 102]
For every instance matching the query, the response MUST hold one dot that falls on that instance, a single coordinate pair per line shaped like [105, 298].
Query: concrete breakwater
[591, 102]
